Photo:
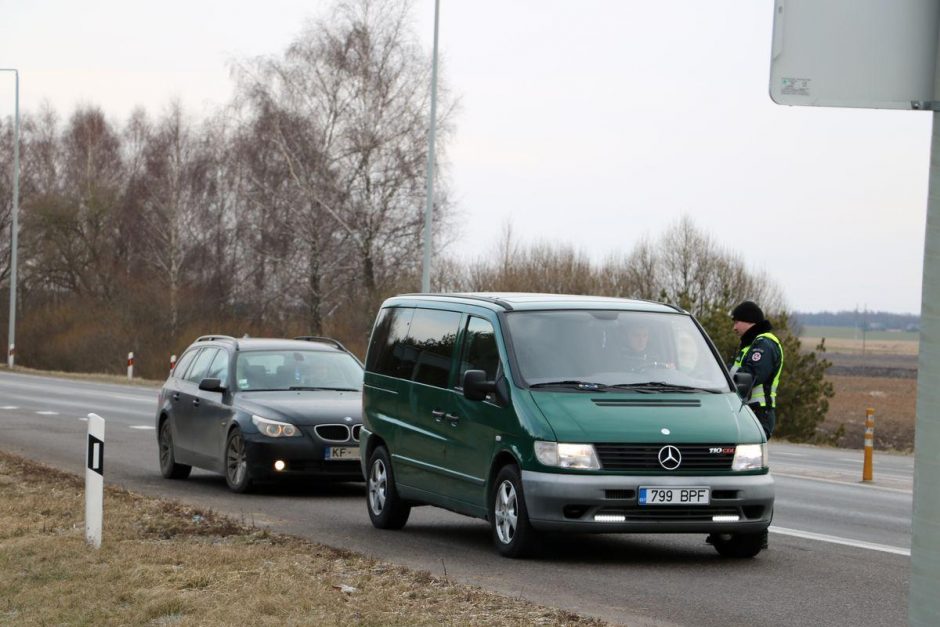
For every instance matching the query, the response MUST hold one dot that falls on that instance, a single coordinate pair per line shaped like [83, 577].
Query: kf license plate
[341, 452]
[674, 496]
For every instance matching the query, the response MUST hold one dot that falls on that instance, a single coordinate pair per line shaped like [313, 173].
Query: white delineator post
[172, 363]
[130, 365]
[94, 480]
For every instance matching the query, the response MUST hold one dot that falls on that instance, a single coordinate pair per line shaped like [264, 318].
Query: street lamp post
[11, 336]
[426, 266]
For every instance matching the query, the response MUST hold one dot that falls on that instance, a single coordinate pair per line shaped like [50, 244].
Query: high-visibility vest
[759, 393]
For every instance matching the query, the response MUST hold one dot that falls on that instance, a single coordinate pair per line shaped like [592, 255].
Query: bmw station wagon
[560, 413]
[262, 409]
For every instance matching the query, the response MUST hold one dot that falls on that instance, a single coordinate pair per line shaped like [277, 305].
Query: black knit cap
[748, 311]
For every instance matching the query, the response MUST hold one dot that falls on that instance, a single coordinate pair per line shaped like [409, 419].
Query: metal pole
[924, 602]
[426, 268]
[11, 335]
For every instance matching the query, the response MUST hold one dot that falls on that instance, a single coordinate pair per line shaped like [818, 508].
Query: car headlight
[275, 429]
[750, 457]
[580, 456]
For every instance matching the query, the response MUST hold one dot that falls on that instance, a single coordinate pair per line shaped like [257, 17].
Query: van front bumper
[610, 504]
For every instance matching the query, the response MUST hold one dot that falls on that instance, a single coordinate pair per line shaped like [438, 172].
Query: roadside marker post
[94, 481]
[10, 351]
[172, 363]
[867, 471]
[130, 366]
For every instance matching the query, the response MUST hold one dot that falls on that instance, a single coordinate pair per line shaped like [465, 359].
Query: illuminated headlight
[750, 457]
[580, 456]
[275, 429]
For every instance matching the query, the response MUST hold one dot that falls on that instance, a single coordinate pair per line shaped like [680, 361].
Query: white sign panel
[877, 54]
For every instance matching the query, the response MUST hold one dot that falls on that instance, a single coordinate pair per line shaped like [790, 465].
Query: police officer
[761, 355]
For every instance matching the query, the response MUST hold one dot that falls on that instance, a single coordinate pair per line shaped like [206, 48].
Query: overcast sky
[592, 123]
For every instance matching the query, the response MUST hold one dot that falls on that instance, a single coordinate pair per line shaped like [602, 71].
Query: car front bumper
[302, 457]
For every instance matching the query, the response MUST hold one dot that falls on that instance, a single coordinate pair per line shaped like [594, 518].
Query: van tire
[738, 545]
[513, 535]
[387, 510]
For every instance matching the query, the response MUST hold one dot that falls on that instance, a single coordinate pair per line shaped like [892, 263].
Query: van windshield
[595, 349]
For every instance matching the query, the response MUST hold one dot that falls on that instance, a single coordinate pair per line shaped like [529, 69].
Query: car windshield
[297, 370]
[610, 350]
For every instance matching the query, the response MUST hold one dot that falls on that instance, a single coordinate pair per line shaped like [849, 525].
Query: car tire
[168, 466]
[237, 475]
[738, 545]
[512, 533]
[386, 508]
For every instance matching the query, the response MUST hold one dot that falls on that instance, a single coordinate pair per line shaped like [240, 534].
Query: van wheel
[739, 545]
[387, 510]
[509, 518]
[168, 466]
[236, 463]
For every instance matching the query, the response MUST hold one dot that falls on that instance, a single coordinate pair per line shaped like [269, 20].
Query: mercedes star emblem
[670, 457]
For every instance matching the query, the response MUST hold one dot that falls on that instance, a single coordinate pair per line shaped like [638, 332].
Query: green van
[542, 412]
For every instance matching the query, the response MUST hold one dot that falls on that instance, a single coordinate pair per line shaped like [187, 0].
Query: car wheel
[386, 509]
[513, 535]
[168, 466]
[739, 545]
[236, 463]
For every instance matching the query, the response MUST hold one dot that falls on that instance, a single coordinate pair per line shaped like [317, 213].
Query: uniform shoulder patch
[756, 356]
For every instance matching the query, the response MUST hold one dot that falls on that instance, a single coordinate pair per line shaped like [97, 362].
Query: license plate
[674, 496]
[341, 452]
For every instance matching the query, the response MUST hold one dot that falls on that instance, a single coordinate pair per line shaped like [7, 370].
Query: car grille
[646, 456]
[332, 433]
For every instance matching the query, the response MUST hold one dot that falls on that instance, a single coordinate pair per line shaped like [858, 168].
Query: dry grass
[162, 563]
[870, 347]
[894, 402]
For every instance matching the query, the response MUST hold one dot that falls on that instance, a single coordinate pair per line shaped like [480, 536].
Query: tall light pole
[426, 268]
[11, 336]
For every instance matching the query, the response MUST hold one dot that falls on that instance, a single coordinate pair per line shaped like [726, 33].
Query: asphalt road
[839, 549]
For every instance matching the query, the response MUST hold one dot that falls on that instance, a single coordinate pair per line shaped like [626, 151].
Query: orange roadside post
[867, 472]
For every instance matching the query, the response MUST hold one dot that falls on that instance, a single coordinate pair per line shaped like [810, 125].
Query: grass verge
[162, 563]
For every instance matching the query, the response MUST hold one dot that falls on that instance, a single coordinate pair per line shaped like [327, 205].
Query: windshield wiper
[308, 388]
[581, 385]
[662, 386]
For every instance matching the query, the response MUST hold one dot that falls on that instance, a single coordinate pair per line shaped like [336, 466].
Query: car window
[287, 369]
[201, 365]
[479, 350]
[390, 353]
[432, 337]
[180, 369]
[218, 369]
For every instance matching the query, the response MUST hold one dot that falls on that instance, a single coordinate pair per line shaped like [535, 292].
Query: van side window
[388, 352]
[432, 338]
[479, 349]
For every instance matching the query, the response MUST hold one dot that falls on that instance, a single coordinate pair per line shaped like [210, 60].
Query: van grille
[646, 456]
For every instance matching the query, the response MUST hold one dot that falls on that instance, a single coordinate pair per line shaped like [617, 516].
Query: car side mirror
[744, 382]
[211, 385]
[475, 385]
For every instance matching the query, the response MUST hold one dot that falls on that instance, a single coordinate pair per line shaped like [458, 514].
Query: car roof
[522, 301]
[266, 343]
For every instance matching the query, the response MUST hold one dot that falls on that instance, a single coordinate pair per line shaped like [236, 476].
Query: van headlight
[750, 457]
[580, 456]
[275, 429]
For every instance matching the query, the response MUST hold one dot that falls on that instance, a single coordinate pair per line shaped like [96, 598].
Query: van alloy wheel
[386, 509]
[507, 512]
[512, 533]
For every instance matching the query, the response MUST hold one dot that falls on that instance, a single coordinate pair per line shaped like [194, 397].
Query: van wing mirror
[211, 385]
[744, 382]
[475, 385]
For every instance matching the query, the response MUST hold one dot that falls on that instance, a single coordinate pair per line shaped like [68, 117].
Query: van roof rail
[324, 340]
[487, 299]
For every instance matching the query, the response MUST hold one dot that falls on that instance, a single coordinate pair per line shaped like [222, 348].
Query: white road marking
[776, 453]
[144, 427]
[46, 412]
[83, 419]
[9, 407]
[857, 484]
[809, 535]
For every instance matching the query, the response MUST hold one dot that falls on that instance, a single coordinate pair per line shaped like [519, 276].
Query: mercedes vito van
[545, 412]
